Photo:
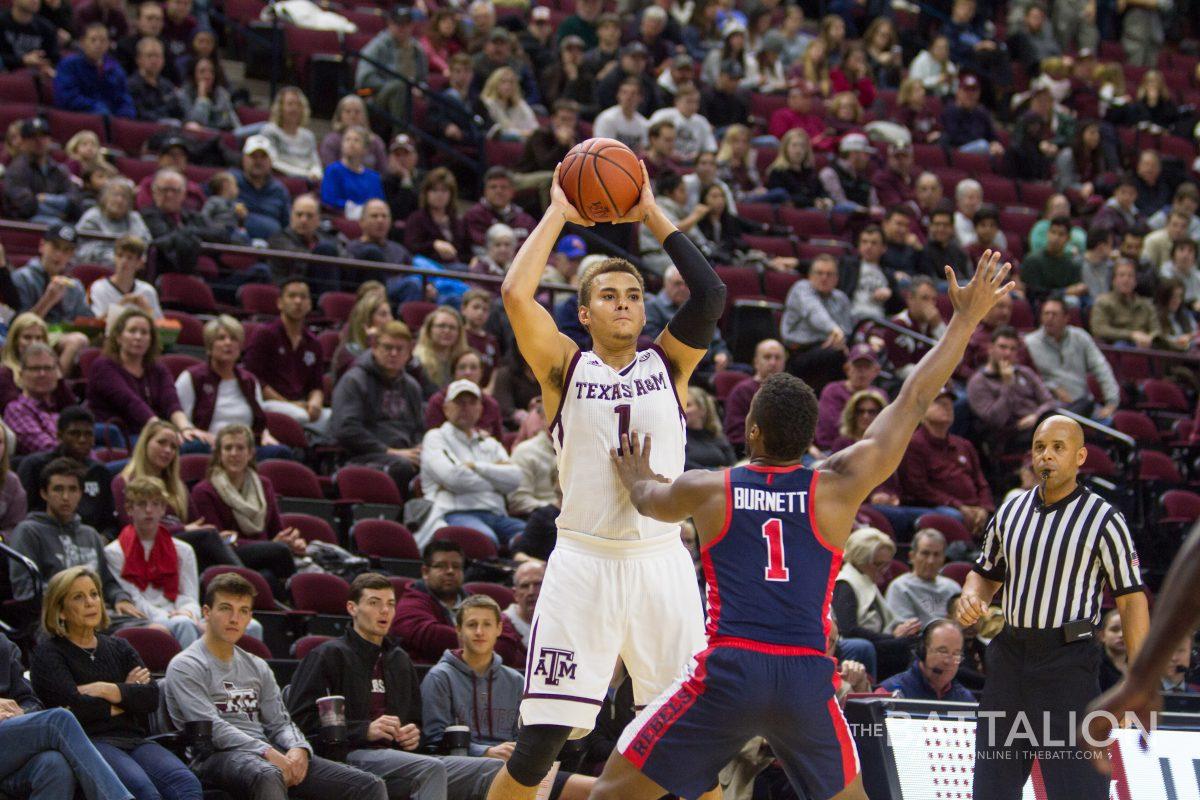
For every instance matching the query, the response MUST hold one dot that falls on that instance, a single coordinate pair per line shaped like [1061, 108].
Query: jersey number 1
[623, 412]
[772, 531]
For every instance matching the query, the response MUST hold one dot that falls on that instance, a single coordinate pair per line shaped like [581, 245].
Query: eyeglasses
[41, 368]
[391, 348]
[944, 652]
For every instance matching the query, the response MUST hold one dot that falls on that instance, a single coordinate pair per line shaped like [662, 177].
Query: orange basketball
[602, 179]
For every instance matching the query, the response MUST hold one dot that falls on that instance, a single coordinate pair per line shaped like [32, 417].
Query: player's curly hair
[785, 410]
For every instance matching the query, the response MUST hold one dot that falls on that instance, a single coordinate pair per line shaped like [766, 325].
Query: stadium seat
[869, 515]
[784, 246]
[286, 430]
[305, 43]
[291, 479]
[1022, 315]
[330, 340]
[19, 87]
[324, 596]
[414, 312]
[155, 647]
[1157, 467]
[255, 648]
[1139, 426]
[974, 164]
[805, 222]
[948, 526]
[131, 135]
[502, 153]
[367, 485]
[957, 571]
[312, 529]
[740, 283]
[178, 362]
[776, 285]
[186, 292]
[307, 644]
[337, 305]
[930, 156]
[1035, 193]
[259, 298]
[1098, 463]
[1017, 221]
[381, 539]
[65, 124]
[87, 274]
[1180, 505]
[501, 594]
[192, 468]
[1163, 395]
[476, 546]
[725, 380]
[890, 573]
[998, 190]
[401, 583]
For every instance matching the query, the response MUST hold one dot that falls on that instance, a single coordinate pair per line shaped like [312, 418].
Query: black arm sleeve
[696, 320]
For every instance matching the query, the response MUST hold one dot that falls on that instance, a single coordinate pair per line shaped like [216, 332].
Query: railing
[894, 327]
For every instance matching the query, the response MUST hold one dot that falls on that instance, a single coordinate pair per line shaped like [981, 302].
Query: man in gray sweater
[377, 408]
[1064, 356]
[923, 593]
[258, 753]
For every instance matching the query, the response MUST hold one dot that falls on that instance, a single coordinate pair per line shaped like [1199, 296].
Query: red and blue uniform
[764, 671]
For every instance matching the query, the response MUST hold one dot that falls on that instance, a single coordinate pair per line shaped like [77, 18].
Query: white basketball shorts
[604, 600]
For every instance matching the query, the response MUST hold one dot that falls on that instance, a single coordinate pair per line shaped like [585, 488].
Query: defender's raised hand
[986, 286]
[633, 461]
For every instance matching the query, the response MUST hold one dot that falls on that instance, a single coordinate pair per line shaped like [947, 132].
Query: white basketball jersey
[599, 404]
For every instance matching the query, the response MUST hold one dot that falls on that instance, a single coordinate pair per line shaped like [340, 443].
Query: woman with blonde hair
[114, 216]
[814, 67]
[915, 114]
[883, 50]
[440, 341]
[128, 386]
[351, 110]
[244, 507]
[859, 607]
[737, 165]
[102, 680]
[369, 314]
[25, 329]
[511, 116]
[1154, 102]
[295, 145]
[84, 152]
[707, 447]
[794, 171]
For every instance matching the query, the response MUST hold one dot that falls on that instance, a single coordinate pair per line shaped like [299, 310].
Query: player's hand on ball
[970, 609]
[560, 203]
[986, 286]
[633, 461]
[645, 201]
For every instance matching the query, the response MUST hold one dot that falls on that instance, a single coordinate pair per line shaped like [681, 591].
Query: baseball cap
[862, 352]
[572, 246]
[947, 391]
[969, 82]
[541, 12]
[855, 143]
[634, 49]
[498, 35]
[35, 126]
[61, 232]
[571, 40]
[681, 60]
[402, 15]
[257, 143]
[402, 142]
[462, 385]
[172, 142]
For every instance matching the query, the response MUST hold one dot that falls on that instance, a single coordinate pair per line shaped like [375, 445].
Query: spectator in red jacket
[769, 358]
[425, 614]
[941, 471]
[854, 75]
[862, 368]
[1006, 397]
[497, 206]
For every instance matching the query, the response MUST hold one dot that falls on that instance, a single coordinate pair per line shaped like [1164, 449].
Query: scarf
[160, 570]
[249, 506]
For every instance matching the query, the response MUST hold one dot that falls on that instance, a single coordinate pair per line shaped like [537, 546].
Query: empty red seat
[501, 594]
[805, 222]
[776, 285]
[312, 529]
[320, 592]
[178, 362]
[998, 190]
[414, 312]
[291, 479]
[304, 43]
[1098, 463]
[1157, 466]
[476, 546]
[155, 647]
[1163, 395]
[957, 571]
[725, 381]
[1139, 426]
[383, 538]
[259, 298]
[65, 124]
[948, 526]
[177, 290]
[131, 135]
[306, 644]
[367, 485]
[337, 305]
[19, 87]
[1180, 505]
[1036, 193]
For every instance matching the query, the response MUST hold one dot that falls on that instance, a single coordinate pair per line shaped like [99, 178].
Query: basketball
[602, 179]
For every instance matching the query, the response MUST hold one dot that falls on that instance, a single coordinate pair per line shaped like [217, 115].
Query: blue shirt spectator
[348, 180]
[266, 198]
[93, 81]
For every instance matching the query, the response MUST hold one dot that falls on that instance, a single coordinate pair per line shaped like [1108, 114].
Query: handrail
[895, 328]
[1091, 424]
[1188, 358]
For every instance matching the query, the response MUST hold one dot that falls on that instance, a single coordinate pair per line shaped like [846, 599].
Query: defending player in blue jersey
[771, 536]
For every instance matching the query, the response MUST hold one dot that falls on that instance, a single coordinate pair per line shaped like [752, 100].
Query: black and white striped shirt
[1054, 560]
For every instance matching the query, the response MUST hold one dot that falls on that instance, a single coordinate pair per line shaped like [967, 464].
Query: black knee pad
[536, 748]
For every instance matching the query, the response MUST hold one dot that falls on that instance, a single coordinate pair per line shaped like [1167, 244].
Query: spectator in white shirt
[693, 133]
[112, 295]
[623, 122]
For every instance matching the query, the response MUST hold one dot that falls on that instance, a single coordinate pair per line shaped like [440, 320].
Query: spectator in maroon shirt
[921, 316]
[127, 386]
[980, 346]
[109, 13]
[769, 358]
[496, 206]
[896, 182]
[798, 113]
[33, 417]
[178, 28]
[941, 471]
[287, 360]
[862, 368]
[435, 230]
[424, 616]
[1007, 398]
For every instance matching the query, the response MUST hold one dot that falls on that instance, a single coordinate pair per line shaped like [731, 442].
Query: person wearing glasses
[527, 585]
[932, 674]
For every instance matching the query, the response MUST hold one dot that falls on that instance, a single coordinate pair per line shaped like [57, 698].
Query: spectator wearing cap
[663, 305]
[43, 285]
[466, 473]
[28, 39]
[680, 69]
[174, 153]
[693, 132]
[630, 64]
[383, 435]
[583, 23]
[37, 188]
[402, 177]
[568, 78]
[724, 103]
[396, 52]
[816, 323]
[847, 178]
[602, 57]
[91, 80]
[862, 370]
[303, 234]
[176, 230]
[537, 40]
[942, 471]
[1008, 398]
[798, 113]
[265, 196]
[966, 125]
[895, 182]
[920, 316]
[348, 184]
[871, 288]
[155, 97]
[545, 148]
[496, 206]
[623, 121]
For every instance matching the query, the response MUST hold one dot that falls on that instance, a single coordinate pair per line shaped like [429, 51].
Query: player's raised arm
[687, 337]
[546, 350]
[696, 493]
[851, 474]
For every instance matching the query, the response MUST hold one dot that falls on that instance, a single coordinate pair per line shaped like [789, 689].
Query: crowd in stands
[830, 166]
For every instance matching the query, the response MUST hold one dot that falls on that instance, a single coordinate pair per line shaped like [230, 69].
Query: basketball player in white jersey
[618, 586]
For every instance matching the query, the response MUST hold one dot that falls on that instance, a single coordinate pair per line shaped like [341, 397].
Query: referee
[1052, 548]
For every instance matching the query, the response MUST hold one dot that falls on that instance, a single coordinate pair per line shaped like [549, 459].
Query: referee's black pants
[1034, 682]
